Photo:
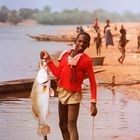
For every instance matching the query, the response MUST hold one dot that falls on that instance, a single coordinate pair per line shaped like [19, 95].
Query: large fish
[41, 91]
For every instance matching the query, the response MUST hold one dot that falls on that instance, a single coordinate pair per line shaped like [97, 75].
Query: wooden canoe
[59, 38]
[20, 84]
[26, 84]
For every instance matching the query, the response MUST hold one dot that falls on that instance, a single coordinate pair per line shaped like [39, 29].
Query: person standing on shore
[96, 25]
[138, 42]
[122, 43]
[74, 66]
[108, 34]
[98, 41]
[80, 29]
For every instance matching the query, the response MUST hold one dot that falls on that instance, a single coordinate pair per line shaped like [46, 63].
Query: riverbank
[27, 22]
[129, 71]
[124, 73]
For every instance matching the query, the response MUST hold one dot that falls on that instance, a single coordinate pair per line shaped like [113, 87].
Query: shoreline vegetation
[128, 72]
[28, 22]
[75, 16]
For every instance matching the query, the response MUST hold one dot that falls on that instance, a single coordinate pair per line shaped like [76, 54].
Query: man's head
[122, 31]
[82, 42]
[107, 21]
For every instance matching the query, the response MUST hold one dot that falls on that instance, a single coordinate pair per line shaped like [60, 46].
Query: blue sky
[89, 5]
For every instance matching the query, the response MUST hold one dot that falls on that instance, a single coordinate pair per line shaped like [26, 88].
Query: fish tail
[43, 130]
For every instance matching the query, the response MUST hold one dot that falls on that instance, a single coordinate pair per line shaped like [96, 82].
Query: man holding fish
[74, 66]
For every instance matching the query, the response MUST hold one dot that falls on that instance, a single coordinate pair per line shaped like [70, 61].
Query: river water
[118, 116]
[19, 54]
[117, 119]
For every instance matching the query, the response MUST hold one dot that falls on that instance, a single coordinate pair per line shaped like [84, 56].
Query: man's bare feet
[120, 61]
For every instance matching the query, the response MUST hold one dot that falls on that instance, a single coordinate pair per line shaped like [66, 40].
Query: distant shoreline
[28, 22]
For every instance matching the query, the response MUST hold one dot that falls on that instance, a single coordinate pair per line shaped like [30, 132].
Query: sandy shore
[28, 22]
[129, 71]
[124, 73]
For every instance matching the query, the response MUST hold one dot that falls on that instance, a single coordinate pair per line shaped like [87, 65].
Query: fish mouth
[45, 82]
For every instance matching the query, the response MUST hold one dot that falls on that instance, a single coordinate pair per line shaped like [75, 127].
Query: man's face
[82, 43]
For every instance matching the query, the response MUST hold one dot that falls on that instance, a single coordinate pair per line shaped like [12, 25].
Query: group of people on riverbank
[109, 38]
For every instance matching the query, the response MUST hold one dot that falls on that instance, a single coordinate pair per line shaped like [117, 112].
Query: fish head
[42, 76]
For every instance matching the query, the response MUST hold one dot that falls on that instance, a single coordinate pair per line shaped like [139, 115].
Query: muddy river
[118, 118]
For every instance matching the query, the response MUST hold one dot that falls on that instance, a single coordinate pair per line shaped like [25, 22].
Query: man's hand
[44, 55]
[93, 109]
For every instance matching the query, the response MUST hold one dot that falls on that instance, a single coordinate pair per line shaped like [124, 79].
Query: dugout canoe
[59, 38]
[20, 85]
[25, 85]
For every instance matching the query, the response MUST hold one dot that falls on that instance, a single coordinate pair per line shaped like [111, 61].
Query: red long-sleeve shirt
[63, 73]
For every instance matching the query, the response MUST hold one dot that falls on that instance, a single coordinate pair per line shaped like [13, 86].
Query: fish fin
[43, 130]
[34, 113]
[51, 92]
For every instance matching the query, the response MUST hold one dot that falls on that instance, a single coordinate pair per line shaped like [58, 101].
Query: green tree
[13, 17]
[27, 13]
[4, 14]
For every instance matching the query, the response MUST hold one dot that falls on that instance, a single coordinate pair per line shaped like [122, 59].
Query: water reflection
[117, 119]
